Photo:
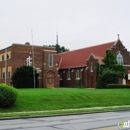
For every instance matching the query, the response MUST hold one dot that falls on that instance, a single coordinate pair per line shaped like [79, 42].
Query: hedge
[109, 86]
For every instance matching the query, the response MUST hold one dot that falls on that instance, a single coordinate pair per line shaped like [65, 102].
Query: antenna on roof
[118, 36]
[57, 38]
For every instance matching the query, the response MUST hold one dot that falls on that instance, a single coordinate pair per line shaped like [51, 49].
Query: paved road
[95, 121]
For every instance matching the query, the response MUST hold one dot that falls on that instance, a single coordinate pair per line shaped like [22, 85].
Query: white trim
[128, 76]
[60, 62]
[124, 81]
[126, 65]
[77, 74]
[82, 69]
[50, 50]
[72, 70]
[77, 78]
[92, 56]
[60, 75]
[50, 60]
[86, 68]
[68, 75]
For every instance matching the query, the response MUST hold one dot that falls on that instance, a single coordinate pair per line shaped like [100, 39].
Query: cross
[29, 61]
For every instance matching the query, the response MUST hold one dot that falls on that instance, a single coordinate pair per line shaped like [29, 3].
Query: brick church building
[45, 61]
[80, 64]
[63, 69]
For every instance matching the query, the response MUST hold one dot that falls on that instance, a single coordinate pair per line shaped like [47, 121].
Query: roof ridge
[88, 47]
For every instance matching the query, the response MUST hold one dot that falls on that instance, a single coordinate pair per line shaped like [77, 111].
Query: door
[92, 82]
[50, 80]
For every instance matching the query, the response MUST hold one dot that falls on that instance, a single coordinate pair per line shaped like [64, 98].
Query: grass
[67, 98]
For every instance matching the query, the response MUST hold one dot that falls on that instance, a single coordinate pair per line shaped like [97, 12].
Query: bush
[23, 77]
[109, 86]
[8, 95]
[107, 77]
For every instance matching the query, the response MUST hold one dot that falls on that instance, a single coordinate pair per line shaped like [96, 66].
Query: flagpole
[5, 63]
[33, 58]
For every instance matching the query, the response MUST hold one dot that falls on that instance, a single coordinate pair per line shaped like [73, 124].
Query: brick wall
[19, 54]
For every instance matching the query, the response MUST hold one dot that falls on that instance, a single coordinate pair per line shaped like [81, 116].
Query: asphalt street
[94, 121]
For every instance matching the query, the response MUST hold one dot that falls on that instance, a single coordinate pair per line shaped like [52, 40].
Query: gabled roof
[77, 58]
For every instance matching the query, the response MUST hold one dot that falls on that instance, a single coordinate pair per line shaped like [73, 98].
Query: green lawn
[65, 98]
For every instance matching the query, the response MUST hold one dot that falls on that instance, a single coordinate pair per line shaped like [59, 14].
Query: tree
[23, 77]
[59, 48]
[110, 71]
[106, 77]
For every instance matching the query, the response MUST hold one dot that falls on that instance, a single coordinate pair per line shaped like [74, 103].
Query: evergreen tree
[110, 71]
[23, 77]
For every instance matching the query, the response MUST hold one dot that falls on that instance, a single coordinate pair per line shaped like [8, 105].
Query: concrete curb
[68, 114]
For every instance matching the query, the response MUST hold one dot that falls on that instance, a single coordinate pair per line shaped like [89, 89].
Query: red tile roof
[77, 58]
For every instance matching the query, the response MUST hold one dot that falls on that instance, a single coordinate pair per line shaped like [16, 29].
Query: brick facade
[88, 72]
[18, 56]
[64, 69]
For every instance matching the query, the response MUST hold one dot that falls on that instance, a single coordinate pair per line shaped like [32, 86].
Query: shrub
[23, 77]
[107, 77]
[109, 86]
[8, 95]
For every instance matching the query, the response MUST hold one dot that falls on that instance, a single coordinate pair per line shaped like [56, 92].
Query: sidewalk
[62, 110]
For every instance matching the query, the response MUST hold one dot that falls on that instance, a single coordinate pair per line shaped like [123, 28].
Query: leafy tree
[23, 77]
[107, 77]
[110, 71]
[59, 48]
[109, 59]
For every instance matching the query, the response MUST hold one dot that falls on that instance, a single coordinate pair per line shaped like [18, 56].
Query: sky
[79, 23]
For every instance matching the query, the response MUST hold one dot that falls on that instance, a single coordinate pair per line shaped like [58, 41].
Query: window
[119, 59]
[50, 60]
[7, 56]
[3, 74]
[9, 74]
[2, 57]
[77, 74]
[60, 75]
[9, 71]
[68, 75]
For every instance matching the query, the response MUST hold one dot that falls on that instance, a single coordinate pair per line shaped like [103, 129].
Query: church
[80, 64]
[62, 69]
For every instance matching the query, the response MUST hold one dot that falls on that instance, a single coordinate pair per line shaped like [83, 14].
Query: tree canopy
[23, 77]
[59, 48]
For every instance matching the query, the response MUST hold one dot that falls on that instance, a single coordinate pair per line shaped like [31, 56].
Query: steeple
[57, 38]
[118, 36]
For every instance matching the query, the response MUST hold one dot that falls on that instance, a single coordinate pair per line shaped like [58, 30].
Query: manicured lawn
[66, 98]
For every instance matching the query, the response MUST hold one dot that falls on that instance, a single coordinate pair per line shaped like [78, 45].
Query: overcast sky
[79, 23]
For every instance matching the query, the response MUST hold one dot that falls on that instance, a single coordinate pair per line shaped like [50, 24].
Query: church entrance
[92, 82]
[50, 80]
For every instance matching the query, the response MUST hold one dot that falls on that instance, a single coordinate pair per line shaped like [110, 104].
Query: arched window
[60, 73]
[68, 75]
[50, 60]
[77, 74]
[119, 58]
